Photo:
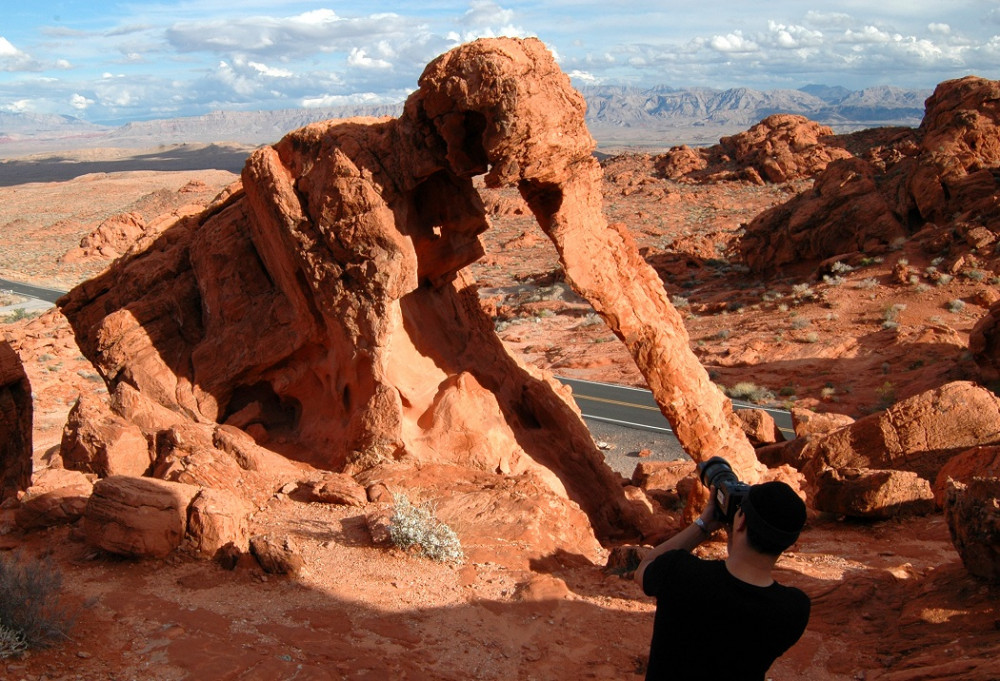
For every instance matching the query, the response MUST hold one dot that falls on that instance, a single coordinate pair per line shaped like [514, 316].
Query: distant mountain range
[626, 116]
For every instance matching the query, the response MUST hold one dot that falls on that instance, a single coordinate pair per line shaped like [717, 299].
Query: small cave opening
[260, 404]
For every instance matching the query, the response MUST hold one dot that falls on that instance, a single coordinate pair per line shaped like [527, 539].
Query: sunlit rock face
[323, 306]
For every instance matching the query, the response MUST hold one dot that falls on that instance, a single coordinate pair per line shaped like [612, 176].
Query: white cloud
[359, 58]
[6, 49]
[791, 36]
[584, 77]
[269, 71]
[732, 42]
[79, 102]
[870, 35]
[20, 106]
[943, 29]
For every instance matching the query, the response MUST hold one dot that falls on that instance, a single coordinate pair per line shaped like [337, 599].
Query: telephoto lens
[729, 491]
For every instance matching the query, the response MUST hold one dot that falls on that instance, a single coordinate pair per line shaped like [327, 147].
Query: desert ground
[891, 598]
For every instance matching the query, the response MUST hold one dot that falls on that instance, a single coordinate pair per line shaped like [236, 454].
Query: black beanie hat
[774, 513]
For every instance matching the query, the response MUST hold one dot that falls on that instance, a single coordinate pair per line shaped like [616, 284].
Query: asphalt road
[636, 408]
[46, 294]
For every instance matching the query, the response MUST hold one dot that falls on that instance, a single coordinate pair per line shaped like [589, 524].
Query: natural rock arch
[324, 307]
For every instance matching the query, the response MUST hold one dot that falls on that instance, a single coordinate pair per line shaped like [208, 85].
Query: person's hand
[708, 513]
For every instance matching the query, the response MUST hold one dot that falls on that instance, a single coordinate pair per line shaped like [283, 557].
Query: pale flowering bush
[416, 527]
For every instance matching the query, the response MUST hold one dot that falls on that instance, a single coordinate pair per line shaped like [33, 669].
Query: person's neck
[752, 568]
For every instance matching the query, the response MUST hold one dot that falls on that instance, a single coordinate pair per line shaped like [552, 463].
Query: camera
[729, 491]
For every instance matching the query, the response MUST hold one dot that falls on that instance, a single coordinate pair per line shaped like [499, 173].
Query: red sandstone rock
[217, 519]
[919, 434]
[824, 220]
[867, 493]
[331, 488]
[325, 307]
[56, 497]
[946, 178]
[973, 514]
[140, 517]
[806, 422]
[276, 555]
[96, 440]
[982, 462]
[781, 147]
[759, 427]
[15, 424]
[984, 343]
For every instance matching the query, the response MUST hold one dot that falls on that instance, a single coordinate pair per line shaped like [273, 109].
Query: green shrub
[32, 614]
[416, 527]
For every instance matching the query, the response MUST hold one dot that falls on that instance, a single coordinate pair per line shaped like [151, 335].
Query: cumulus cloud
[13, 59]
[732, 42]
[79, 102]
[359, 57]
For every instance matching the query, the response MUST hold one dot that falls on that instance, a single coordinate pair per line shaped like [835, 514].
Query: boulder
[918, 434]
[15, 424]
[973, 514]
[96, 440]
[138, 517]
[871, 494]
[981, 462]
[984, 343]
[56, 497]
[806, 422]
[779, 148]
[217, 519]
[783, 147]
[331, 488]
[276, 555]
[759, 427]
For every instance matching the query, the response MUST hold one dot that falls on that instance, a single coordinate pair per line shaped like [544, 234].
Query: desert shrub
[870, 282]
[956, 305]
[833, 280]
[751, 392]
[680, 302]
[800, 323]
[841, 268]
[803, 292]
[890, 315]
[812, 337]
[722, 334]
[32, 614]
[975, 275]
[416, 527]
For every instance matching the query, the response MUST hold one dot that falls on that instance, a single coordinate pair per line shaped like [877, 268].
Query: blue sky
[117, 61]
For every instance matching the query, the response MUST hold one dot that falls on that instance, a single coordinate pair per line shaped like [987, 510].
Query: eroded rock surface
[781, 147]
[324, 308]
[15, 424]
[937, 184]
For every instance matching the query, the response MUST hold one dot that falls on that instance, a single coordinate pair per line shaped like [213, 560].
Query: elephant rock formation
[324, 307]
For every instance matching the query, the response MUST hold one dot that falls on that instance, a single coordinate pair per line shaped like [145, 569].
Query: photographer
[726, 619]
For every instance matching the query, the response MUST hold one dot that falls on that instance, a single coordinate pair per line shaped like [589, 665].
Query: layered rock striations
[323, 307]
